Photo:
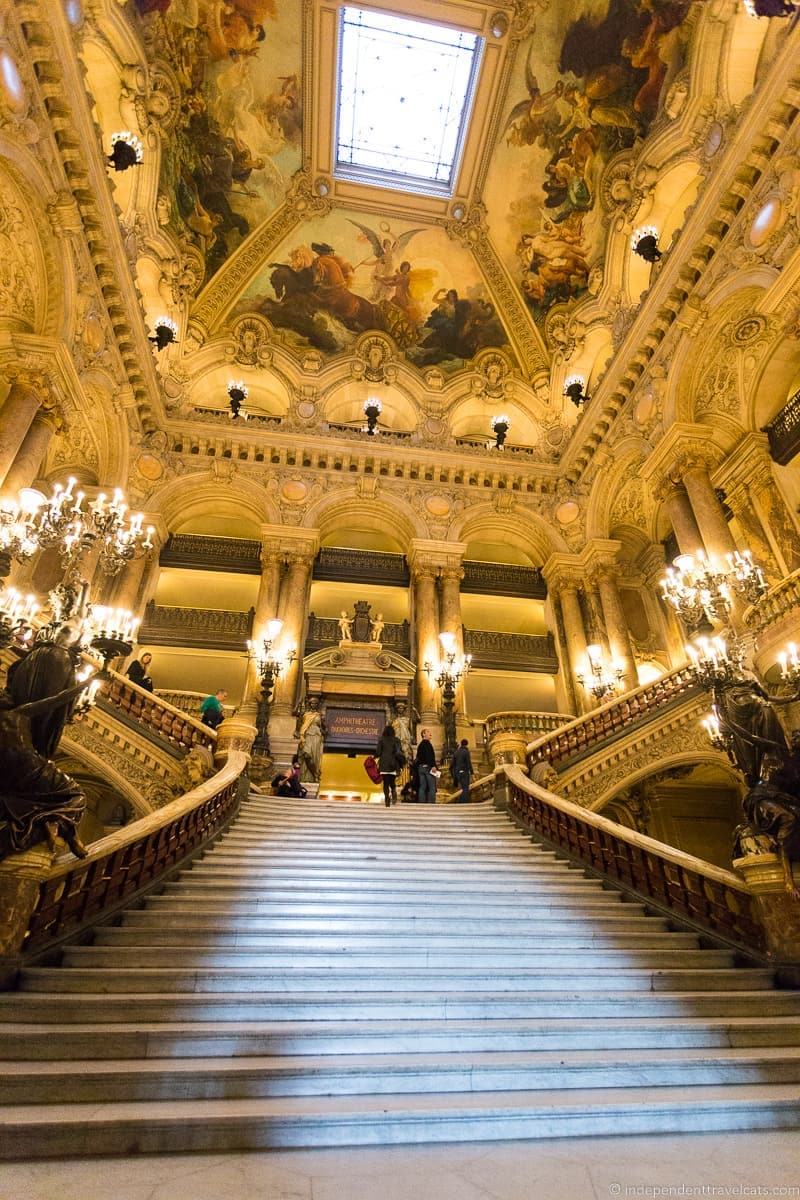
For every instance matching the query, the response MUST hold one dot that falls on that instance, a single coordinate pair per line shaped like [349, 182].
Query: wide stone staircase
[337, 974]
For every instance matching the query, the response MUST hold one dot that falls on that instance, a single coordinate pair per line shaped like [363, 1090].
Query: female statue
[311, 743]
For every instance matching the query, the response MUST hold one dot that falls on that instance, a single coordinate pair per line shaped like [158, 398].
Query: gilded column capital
[438, 555]
[683, 438]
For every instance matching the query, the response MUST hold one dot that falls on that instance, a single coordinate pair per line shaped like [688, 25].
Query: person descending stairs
[342, 974]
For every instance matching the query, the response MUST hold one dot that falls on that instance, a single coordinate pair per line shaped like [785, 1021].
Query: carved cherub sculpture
[345, 627]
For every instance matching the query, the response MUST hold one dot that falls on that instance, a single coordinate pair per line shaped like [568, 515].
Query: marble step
[109, 1080]
[655, 935]
[624, 917]
[527, 909]
[64, 1007]
[197, 887]
[250, 870]
[479, 959]
[228, 1040]
[151, 1127]
[252, 829]
[272, 853]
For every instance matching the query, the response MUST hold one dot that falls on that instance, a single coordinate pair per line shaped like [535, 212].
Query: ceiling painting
[237, 139]
[342, 274]
[590, 82]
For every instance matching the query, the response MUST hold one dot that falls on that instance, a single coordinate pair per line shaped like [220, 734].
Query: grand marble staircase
[334, 974]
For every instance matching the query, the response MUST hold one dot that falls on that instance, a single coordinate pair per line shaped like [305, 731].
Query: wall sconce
[237, 393]
[602, 678]
[126, 151]
[574, 389]
[500, 428]
[645, 243]
[372, 410]
[166, 333]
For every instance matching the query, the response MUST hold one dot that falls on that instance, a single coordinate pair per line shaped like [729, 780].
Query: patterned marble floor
[747, 1164]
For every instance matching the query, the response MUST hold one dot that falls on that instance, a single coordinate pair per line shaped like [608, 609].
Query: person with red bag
[390, 760]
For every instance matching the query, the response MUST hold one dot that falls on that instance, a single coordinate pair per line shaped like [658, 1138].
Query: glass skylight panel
[405, 89]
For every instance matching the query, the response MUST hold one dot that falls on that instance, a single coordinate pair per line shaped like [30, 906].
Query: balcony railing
[203, 553]
[533, 724]
[783, 431]
[612, 719]
[324, 631]
[204, 628]
[361, 566]
[189, 702]
[503, 579]
[511, 651]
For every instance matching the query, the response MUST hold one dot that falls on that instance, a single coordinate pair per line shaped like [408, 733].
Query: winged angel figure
[393, 278]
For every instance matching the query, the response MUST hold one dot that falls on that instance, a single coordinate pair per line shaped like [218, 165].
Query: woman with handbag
[390, 760]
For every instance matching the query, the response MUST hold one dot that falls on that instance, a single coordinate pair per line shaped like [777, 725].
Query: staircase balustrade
[705, 895]
[83, 892]
[611, 718]
[156, 714]
[778, 603]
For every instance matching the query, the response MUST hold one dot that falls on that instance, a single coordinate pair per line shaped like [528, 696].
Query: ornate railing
[204, 553]
[678, 883]
[511, 651]
[189, 702]
[783, 431]
[531, 723]
[76, 894]
[613, 718]
[503, 579]
[361, 566]
[203, 628]
[324, 631]
[779, 602]
[155, 714]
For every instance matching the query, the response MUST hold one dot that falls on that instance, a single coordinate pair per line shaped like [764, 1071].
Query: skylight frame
[394, 180]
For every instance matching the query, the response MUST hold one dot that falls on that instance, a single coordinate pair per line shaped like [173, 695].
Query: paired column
[30, 455]
[297, 549]
[619, 639]
[575, 634]
[426, 626]
[266, 609]
[450, 619]
[681, 517]
[708, 512]
[16, 416]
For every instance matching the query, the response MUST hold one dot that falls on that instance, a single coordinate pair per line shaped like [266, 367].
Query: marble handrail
[704, 894]
[156, 714]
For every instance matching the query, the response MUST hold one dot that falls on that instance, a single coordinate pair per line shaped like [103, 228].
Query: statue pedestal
[20, 878]
[778, 912]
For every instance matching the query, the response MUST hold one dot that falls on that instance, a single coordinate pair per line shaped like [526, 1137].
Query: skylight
[405, 90]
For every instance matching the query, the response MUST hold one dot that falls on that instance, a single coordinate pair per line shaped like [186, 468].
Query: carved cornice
[51, 51]
[426, 555]
[740, 169]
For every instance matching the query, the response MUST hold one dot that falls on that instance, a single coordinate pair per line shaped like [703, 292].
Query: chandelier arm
[748, 735]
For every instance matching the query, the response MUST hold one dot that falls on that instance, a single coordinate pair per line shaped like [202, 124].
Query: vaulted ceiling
[590, 118]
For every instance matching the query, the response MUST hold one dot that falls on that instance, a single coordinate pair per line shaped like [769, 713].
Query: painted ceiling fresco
[348, 272]
[589, 82]
[237, 139]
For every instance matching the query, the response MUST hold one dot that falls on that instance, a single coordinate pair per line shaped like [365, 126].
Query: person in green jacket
[211, 710]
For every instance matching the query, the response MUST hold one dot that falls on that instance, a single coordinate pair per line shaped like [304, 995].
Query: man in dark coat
[461, 768]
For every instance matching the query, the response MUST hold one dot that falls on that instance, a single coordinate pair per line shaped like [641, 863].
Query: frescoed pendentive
[346, 273]
[588, 84]
[236, 142]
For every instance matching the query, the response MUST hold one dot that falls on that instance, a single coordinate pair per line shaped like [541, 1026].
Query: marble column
[266, 609]
[566, 689]
[717, 537]
[681, 517]
[426, 625]
[293, 610]
[450, 619]
[25, 467]
[619, 639]
[575, 635]
[16, 416]
[654, 568]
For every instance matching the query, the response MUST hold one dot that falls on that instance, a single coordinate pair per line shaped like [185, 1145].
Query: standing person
[461, 768]
[426, 764]
[139, 672]
[390, 759]
[211, 710]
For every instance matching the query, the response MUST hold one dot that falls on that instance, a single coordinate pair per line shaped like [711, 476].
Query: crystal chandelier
[110, 631]
[65, 521]
[789, 665]
[699, 590]
[715, 661]
[602, 678]
[16, 617]
[447, 675]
